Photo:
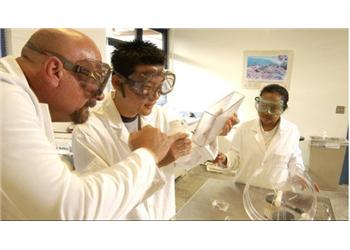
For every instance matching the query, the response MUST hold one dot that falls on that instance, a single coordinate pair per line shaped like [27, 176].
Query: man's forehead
[89, 54]
[149, 69]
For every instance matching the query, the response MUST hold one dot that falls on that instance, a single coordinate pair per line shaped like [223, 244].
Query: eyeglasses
[86, 70]
[270, 107]
[141, 83]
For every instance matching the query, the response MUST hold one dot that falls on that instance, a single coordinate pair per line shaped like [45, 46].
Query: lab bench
[198, 190]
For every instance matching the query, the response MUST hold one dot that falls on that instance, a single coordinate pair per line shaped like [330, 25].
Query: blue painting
[272, 68]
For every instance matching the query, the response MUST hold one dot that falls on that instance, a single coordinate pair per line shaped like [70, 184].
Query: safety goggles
[270, 107]
[86, 70]
[141, 83]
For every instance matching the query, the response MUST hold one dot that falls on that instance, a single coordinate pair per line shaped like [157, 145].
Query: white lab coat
[249, 152]
[36, 184]
[106, 137]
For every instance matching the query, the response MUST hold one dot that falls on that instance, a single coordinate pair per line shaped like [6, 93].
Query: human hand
[154, 140]
[304, 184]
[221, 160]
[233, 120]
[179, 148]
[316, 187]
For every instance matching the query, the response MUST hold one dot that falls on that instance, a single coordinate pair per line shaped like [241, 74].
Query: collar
[110, 111]
[11, 72]
[114, 118]
[128, 119]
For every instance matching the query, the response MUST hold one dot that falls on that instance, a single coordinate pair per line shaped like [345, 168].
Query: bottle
[324, 135]
[178, 126]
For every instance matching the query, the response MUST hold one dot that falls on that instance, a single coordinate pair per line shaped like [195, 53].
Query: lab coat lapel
[124, 133]
[115, 120]
[147, 120]
[276, 139]
[258, 136]
[274, 143]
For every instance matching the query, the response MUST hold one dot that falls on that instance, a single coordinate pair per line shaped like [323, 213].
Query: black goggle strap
[122, 82]
[139, 125]
[81, 70]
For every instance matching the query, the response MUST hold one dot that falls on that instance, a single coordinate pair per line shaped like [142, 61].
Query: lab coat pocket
[280, 159]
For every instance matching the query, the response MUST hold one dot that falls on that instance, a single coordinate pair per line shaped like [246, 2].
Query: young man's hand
[154, 140]
[179, 148]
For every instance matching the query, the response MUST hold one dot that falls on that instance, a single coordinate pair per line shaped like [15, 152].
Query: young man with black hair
[139, 79]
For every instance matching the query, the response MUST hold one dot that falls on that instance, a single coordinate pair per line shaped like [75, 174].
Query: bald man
[59, 96]
[58, 76]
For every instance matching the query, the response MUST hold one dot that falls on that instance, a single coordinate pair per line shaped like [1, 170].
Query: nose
[154, 95]
[98, 95]
[94, 92]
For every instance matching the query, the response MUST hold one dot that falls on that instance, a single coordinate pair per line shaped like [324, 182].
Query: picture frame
[261, 68]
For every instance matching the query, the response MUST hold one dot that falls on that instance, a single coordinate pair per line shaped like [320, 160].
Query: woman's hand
[233, 120]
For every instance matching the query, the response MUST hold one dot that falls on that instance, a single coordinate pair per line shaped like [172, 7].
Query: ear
[53, 68]
[116, 82]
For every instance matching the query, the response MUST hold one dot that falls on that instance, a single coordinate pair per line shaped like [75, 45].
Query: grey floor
[187, 185]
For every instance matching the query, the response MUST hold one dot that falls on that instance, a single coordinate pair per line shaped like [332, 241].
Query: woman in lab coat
[139, 79]
[269, 141]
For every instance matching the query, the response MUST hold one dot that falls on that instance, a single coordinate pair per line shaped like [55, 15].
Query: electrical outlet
[340, 110]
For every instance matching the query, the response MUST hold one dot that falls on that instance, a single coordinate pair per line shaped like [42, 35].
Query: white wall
[208, 63]
[16, 38]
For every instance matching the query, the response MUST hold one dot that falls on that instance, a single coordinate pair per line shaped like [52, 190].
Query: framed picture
[266, 67]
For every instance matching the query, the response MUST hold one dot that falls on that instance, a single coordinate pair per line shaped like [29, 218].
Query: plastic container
[289, 195]
[213, 119]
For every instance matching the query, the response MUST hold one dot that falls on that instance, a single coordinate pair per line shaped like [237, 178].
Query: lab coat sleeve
[90, 155]
[38, 185]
